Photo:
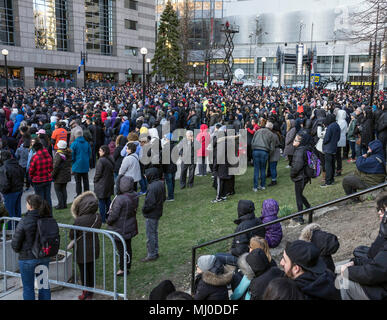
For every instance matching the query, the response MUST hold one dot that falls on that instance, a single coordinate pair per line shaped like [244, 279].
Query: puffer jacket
[123, 209]
[246, 220]
[212, 286]
[340, 118]
[332, 135]
[24, 236]
[103, 178]
[11, 177]
[62, 166]
[84, 210]
[297, 171]
[273, 234]
[326, 242]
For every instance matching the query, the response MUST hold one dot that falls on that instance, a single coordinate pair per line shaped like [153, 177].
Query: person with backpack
[297, 171]
[23, 242]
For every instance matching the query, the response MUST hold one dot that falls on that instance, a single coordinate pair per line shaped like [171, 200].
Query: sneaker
[141, 193]
[223, 198]
[262, 188]
[148, 259]
[170, 200]
[86, 295]
[255, 189]
[338, 174]
[299, 220]
[273, 183]
[287, 167]
[324, 185]
[216, 200]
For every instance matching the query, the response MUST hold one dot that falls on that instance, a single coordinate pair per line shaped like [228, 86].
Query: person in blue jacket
[331, 138]
[19, 118]
[371, 170]
[125, 126]
[81, 153]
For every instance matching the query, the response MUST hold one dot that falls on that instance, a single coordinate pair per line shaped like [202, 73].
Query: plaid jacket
[41, 167]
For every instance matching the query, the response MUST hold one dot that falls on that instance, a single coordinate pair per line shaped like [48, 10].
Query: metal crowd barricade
[9, 263]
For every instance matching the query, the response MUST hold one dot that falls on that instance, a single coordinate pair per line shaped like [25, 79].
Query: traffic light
[290, 58]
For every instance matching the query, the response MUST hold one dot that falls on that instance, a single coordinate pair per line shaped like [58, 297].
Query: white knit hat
[62, 144]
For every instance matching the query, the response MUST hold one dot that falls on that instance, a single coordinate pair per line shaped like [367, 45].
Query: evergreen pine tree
[167, 58]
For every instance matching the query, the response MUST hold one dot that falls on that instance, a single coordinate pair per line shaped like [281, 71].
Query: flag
[80, 65]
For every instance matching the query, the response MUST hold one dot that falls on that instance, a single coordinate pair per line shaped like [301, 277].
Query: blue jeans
[226, 258]
[273, 170]
[352, 144]
[260, 158]
[104, 205]
[12, 202]
[143, 184]
[170, 182]
[27, 272]
[152, 243]
[43, 189]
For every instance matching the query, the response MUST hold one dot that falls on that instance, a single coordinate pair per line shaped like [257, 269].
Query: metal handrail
[296, 214]
[108, 233]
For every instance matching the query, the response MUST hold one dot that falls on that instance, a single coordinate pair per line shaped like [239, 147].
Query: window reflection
[51, 24]
[6, 22]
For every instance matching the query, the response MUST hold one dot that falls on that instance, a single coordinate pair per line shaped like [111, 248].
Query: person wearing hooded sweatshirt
[273, 234]
[152, 211]
[40, 172]
[341, 121]
[104, 180]
[130, 166]
[122, 218]
[81, 151]
[204, 139]
[61, 173]
[326, 242]
[84, 210]
[331, 138]
[125, 126]
[19, 118]
[240, 244]
[371, 169]
[297, 172]
[212, 279]
[301, 262]
[366, 275]
[290, 135]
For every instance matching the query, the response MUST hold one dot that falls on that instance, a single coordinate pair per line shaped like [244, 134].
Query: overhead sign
[315, 77]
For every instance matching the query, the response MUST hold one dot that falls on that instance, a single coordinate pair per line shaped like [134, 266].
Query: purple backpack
[313, 168]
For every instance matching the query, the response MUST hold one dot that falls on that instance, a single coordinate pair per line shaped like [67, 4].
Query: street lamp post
[4, 52]
[148, 60]
[144, 52]
[194, 67]
[263, 68]
[361, 77]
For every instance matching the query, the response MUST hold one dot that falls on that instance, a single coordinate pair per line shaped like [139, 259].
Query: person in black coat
[367, 130]
[11, 184]
[120, 144]
[152, 211]
[365, 275]
[169, 168]
[240, 244]
[212, 279]
[104, 180]
[23, 241]
[297, 171]
[381, 126]
[325, 241]
[331, 138]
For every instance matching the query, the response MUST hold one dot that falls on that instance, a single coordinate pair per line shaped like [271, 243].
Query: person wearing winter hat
[301, 262]
[212, 279]
[84, 210]
[61, 173]
[240, 244]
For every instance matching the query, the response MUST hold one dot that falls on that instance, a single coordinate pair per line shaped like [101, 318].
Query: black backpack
[47, 239]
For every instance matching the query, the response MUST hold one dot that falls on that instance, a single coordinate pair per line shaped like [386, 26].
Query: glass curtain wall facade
[6, 23]
[51, 24]
[99, 26]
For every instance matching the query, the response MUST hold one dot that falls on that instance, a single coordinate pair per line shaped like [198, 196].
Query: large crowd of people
[50, 135]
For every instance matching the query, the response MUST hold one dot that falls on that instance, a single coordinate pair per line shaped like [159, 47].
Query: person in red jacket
[40, 172]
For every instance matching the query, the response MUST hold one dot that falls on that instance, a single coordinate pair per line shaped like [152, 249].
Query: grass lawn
[192, 219]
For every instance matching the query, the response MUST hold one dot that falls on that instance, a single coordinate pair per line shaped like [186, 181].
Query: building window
[99, 26]
[6, 23]
[130, 24]
[325, 64]
[51, 24]
[356, 61]
[270, 66]
[131, 4]
[131, 51]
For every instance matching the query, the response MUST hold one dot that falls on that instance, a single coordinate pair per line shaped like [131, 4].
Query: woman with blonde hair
[257, 242]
